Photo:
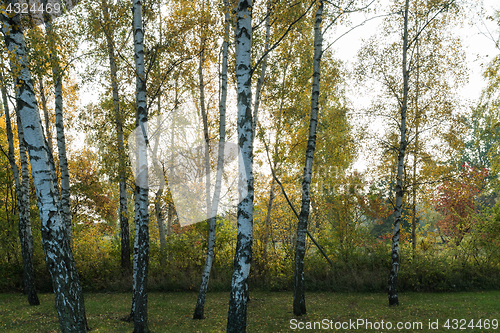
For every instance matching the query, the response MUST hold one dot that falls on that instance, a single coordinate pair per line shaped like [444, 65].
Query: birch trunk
[267, 223]
[22, 193]
[260, 82]
[275, 164]
[415, 160]
[25, 210]
[414, 194]
[49, 139]
[48, 133]
[393, 276]
[170, 219]
[200, 304]
[141, 242]
[122, 172]
[237, 313]
[61, 139]
[205, 132]
[299, 304]
[160, 219]
[59, 257]
[258, 89]
[159, 175]
[171, 207]
[170, 215]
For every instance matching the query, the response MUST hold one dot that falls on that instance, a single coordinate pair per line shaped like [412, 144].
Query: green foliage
[92, 199]
[92, 250]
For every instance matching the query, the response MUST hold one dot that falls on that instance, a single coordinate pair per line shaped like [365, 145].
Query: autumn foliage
[457, 202]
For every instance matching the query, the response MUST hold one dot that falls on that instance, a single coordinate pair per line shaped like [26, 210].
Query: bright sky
[479, 49]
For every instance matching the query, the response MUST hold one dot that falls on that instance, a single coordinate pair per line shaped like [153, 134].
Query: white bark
[239, 284]
[299, 304]
[48, 133]
[48, 138]
[393, 276]
[22, 193]
[61, 139]
[141, 242]
[260, 82]
[59, 257]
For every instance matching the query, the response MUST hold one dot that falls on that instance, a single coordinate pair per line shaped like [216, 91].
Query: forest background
[451, 215]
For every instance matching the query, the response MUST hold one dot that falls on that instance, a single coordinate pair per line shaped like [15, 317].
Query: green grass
[267, 311]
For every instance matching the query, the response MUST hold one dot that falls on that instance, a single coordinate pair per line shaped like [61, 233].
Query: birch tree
[57, 76]
[200, 304]
[22, 193]
[420, 73]
[299, 305]
[122, 173]
[239, 284]
[243, 256]
[393, 276]
[141, 193]
[59, 257]
[107, 29]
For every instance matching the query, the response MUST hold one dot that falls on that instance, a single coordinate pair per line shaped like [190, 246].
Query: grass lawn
[267, 312]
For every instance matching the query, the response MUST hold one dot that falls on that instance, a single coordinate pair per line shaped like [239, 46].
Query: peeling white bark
[61, 139]
[237, 313]
[393, 276]
[141, 242]
[59, 257]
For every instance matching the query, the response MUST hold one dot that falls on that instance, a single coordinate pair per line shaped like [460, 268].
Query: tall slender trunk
[414, 193]
[299, 303]
[48, 138]
[141, 201]
[275, 164]
[415, 160]
[122, 172]
[237, 314]
[200, 304]
[170, 215]
[258, 89]
[59, 257]
[57, 76]
[160, 219]
[159, 212]
[393, 276]
[205, 131]
[170, 219]
[22, 193]
[65, 202]
[260, 81]
[48, 132]
[267, 222]
[171, 207]
[159, 176]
